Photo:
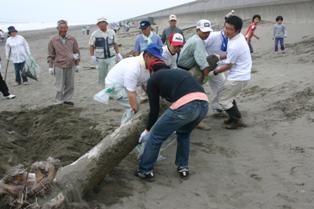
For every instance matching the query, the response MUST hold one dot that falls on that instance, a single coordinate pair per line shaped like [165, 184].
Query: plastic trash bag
[31, 68]
[103, 96]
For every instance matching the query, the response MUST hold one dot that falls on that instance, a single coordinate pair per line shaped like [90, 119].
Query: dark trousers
[277, 42]
[18, 72]
[3, 87]
[250, 46]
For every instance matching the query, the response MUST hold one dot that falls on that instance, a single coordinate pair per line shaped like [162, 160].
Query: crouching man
[189, 107]
[124, 78]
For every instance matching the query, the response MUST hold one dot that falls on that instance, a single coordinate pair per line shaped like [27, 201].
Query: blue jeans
[182, 120]
[279, 41]
[18, 72]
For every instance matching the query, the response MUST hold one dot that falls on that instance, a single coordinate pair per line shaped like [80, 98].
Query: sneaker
[58, 102]
[25, 83]
[183, 172]
[68, 103]
[149, 176]
[11, 96]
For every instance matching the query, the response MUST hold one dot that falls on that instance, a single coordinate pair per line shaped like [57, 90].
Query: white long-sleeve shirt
[19, 49]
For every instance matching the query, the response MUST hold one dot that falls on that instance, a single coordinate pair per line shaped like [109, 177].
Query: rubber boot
[230, 120]
[235, 118]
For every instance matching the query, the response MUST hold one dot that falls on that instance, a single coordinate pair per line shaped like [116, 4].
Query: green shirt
[193, 53]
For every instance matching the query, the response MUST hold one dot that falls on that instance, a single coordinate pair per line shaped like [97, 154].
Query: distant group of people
[161, 66]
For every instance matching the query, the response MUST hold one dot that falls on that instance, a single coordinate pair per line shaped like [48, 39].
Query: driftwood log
[85, 173]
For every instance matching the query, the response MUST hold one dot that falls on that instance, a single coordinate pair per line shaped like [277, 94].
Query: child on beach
[279, 34]
[250, 31]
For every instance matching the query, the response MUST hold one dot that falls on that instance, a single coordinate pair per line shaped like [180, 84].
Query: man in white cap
[172, 49]
[171, 29]
[104, 49]
[194, 52]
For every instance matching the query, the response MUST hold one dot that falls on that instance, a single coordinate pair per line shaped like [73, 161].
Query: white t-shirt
[238, 54]
[171, 59]
[213, 43]
[129, 73]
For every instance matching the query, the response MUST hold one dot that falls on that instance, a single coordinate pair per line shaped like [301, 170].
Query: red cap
[176, 39]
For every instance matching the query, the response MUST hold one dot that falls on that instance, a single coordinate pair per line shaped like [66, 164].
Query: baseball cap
[172, 17]
[176, 39]
[155, 50]
[144, 24]
[102, 19]
[204, 26]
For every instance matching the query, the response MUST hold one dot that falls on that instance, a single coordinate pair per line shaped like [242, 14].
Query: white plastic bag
[103, 96]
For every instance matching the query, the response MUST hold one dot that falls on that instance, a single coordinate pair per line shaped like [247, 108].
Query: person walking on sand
[146, 38]
[17, 50]
[172, 48]
[171, 29]
[189, 106]
[279, 34]
[238, 64]
[103, 49]
[3, 87]
[250, 31]
[63, 59]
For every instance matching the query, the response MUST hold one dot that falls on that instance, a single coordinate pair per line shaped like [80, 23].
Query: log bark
[91, 168]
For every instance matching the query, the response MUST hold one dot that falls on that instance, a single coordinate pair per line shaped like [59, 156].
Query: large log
[91, 168]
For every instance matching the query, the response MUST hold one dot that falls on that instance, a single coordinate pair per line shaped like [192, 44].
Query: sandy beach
[267, 165]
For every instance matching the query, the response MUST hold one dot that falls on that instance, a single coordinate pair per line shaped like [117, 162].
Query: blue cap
[11, 29]
[155, 50]
[144, 24]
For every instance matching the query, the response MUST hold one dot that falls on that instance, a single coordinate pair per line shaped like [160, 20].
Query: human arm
[26, 46]
[153, 98]
[163, 36]
[76, 51]
[133, 101]
[51, 54]
[137, 49]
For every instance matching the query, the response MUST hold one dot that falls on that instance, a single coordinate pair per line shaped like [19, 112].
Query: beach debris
[22, 186]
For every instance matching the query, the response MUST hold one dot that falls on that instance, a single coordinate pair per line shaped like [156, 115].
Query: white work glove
[143, 136]
[94, 60]
[77, 68]
[76, 56]
[118, 57]
[51, 71]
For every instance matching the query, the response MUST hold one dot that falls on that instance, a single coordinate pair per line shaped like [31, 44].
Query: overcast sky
[79, 11]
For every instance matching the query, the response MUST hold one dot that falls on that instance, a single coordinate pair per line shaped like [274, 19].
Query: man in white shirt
[104, 49]
[239, 64]
[17, 50]
[216, 44]
[172, 48]
[124, 78]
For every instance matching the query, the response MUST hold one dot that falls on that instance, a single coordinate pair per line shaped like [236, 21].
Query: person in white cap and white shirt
[171, 29]
[172, 48]
[216, 44]
[104, 49]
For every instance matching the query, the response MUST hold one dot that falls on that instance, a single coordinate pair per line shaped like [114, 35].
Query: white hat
[172, 17]
[102, 19]
[204, 26]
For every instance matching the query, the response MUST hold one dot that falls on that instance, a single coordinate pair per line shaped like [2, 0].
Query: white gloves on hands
[118, 57]
[94, 60]
[77, 68]
[51, 71]
[143, 136]
[76, 56]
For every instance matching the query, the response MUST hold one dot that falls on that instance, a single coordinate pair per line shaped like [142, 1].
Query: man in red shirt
[250, 31]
